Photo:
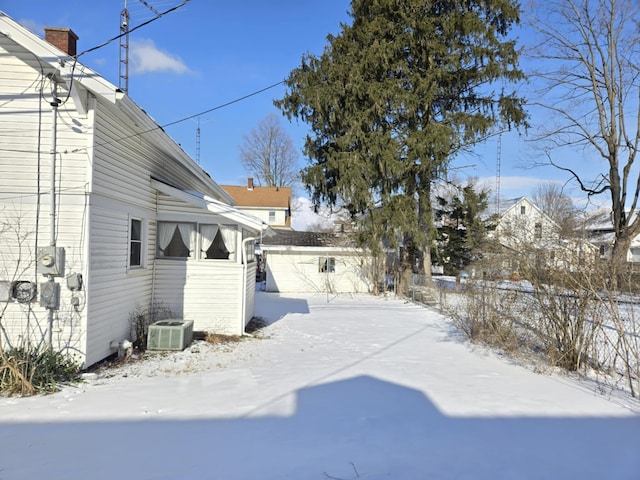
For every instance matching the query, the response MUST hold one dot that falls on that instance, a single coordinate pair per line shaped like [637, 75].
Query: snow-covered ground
[335, 387]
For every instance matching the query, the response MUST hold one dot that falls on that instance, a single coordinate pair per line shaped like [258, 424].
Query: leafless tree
[269, 154]
[588, 56]
[553, 201]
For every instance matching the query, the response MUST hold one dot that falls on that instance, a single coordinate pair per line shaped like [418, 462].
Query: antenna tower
[498, 166]
[123, 83]
[198, 142]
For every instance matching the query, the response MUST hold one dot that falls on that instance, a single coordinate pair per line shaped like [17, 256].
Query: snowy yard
[340, 388]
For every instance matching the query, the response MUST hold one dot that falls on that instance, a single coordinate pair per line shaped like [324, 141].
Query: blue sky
[206, 54]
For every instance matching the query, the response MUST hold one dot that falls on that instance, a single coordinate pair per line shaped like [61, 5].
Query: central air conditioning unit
[170, 335]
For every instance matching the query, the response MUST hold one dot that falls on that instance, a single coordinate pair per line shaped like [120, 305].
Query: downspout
[243, 309]
[153, 268]
[55, 101]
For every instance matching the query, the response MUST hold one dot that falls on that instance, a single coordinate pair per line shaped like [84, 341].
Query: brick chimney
[63, 38]
[250, 183]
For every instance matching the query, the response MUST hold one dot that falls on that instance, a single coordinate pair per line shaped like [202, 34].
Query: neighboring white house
[523, 228]
[271, 204]
[102, 214]
[599, 226]
[522, 222]
[315, 262]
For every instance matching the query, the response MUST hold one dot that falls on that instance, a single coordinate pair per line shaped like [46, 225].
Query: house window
[135, 243]
[603, 250]
[523, 210]
[272, 216]
[218, 242]
[538, 231]
[175, 239]
[250, 247]
[326, 264]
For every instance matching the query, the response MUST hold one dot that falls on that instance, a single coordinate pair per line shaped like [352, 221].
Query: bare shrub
[486, 314]
[220, 339]
[142, 317]
[620, 339]
[566, 311]
[569, 311]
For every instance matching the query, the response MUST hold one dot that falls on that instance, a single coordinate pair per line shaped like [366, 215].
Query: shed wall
[291, 270]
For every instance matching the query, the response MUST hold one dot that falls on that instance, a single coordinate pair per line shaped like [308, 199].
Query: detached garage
[316, 262]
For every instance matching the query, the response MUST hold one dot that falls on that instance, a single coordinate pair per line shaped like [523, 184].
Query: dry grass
[218, 339]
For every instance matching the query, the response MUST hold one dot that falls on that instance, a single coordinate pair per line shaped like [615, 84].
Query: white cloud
[514, 186]
[145, 57]
[303, 216]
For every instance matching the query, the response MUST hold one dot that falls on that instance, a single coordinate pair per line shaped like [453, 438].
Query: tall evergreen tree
[393, 98]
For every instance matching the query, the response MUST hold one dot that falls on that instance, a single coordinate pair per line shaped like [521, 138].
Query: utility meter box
[51, 261]
[50, 295]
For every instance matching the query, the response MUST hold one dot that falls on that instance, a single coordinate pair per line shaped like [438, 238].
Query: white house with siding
[271, 204]
[522, 227]
[312, 262]
[102, 214]
[520, 222]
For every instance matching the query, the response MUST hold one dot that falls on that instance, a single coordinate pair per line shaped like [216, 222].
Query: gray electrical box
[51, 261]
[50, 295]
[74, 281]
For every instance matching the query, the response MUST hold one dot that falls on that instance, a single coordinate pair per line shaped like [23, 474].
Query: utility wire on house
[124, 32]
[184, 119]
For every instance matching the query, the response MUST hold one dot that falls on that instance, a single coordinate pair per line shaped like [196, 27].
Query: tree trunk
[618, 265]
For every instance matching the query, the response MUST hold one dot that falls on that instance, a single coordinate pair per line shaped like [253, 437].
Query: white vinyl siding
[297, 270]
[115, 292]
[107, 154]
[207, 293]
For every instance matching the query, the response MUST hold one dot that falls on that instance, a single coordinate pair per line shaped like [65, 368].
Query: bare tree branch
[588, 57]
[269, 154]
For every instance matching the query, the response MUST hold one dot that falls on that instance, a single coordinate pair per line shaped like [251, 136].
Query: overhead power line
[184, 119]
[224, 104]
[143, 24]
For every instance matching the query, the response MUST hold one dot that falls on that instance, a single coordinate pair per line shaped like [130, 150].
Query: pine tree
[461, 230]
[393, 98]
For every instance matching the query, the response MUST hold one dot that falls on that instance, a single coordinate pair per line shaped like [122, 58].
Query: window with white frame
[250, 247]
[327, 265]
[523, 210]
[272, 216]
[217, 242]
[175, 239]
[135, 243]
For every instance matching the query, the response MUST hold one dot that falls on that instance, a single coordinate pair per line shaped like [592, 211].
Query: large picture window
[175, 239]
